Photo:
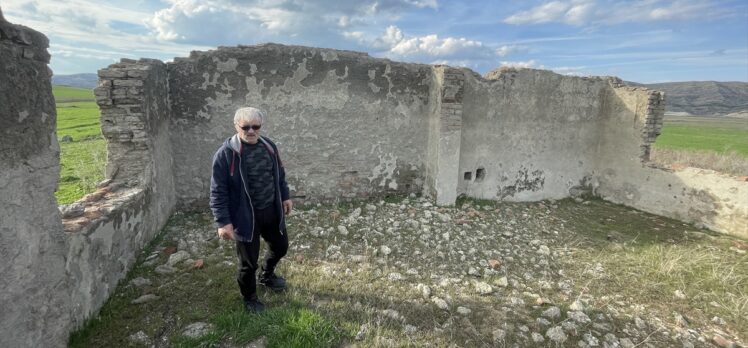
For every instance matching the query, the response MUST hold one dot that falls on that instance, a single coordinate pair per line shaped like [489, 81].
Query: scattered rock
[553, 312]
[66, 139]
[425, 290]
[177, 257]
[544, 250]
[537, 338]
[494, 264]
[577, 306]
[440, 303]
[197, 329]
[556, 334]
[498, 335]
[579, 317]
[139, 337]
[627, 343]
[342, 230]
[72, 210]
[361, 332]
[144, 299]
[680, 295]
[483, 288]
[719, 321]
[385, 250]
[140, 282]
[502, 282]
[410, 329]
[723, 342]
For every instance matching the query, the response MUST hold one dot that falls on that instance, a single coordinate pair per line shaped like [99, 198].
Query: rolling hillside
[704, 98]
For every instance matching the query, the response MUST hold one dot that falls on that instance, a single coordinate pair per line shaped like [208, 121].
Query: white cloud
[607, 12]
[506, 50]
[395, 44]
[242, 22]
[532, 63]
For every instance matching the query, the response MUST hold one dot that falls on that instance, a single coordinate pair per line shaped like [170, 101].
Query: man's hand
[287, 206]
[226, 232]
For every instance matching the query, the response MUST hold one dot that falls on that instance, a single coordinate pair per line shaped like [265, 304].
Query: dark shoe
[273, 281]
[254, 306]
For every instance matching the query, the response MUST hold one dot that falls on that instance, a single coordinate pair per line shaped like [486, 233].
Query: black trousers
[266, 225]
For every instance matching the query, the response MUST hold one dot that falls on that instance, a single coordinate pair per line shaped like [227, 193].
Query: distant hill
[706, 98]
[88, 81]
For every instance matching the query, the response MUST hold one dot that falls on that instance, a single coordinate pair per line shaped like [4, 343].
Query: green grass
[64, 94]
[82, 165]
[83, 159]
[80, 120]
[702, 133]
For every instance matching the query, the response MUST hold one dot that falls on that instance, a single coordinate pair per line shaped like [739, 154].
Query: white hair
[248, 114]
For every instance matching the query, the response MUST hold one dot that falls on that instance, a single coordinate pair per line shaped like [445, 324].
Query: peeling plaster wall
[716, 201]
[33, 288]
[347, 125]
[532, 132]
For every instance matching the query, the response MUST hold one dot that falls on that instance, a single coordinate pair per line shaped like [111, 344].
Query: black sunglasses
[254, 126]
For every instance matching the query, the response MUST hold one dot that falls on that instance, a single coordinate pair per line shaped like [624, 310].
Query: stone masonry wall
[33, 288]
[445, 131]
[137, 198]
[529, 134]
[347, 125]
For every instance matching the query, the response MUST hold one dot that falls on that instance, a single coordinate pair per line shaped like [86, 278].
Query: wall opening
[468, 176]
[480, 174]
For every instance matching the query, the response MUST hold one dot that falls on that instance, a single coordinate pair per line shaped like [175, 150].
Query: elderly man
[249, 200]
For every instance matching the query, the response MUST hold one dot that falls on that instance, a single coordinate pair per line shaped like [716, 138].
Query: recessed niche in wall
[468, 176]
[480, 174]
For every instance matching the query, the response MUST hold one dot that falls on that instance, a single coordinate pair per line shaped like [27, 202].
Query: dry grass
[731, 162]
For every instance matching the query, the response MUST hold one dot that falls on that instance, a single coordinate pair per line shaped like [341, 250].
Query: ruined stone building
[348, 126]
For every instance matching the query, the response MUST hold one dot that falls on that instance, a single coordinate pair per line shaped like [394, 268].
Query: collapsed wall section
[33, 288]
[347, 125]
[623, 175]
[528, 134]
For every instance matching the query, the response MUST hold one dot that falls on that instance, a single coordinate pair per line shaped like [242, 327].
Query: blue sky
[639, 40]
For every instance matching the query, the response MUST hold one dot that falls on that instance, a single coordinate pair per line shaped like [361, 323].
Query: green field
[71, 94]
[82, 159]
[692, 133]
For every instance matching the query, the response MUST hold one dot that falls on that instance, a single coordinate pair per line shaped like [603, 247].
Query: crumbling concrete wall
[529, 134]
[33, 288]
[624, 175]
[347, 125]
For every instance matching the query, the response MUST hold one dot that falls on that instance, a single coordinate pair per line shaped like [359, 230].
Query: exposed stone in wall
[126, 115]
[33, 288]
[446, 130]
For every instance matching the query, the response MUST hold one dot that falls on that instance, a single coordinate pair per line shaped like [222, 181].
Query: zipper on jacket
[277, 188]
[244, 185]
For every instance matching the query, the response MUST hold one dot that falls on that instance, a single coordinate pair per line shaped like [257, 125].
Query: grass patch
[700, 133]
[82, 159]
[70, 94]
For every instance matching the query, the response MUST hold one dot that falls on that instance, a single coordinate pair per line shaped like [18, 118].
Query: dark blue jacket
[229, 197]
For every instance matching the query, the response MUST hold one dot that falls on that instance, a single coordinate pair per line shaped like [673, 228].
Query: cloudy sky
[637, 40]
